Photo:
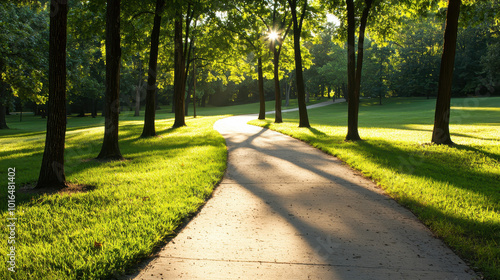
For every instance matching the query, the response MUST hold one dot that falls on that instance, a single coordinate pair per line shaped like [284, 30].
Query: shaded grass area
[453, 190]
[130, 208]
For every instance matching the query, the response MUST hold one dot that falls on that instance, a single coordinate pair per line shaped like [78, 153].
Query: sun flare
[273, 35]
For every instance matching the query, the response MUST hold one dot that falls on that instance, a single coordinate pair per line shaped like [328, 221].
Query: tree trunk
[94, 107]
[52, 169]
[441, 131]
[188, 98]
[138, 90]
[262, 98]
[110, 149]
[137, 101]
[277, 92]
[353, 105]
[194, 89]
[288, 89]
[361, 40]
[301, 92]
[179, 75]
[149, 115]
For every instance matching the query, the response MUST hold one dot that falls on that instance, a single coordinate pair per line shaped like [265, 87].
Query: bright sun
[273, 35]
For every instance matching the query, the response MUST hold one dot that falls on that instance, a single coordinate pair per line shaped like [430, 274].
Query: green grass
[134, 205]
[453, 190]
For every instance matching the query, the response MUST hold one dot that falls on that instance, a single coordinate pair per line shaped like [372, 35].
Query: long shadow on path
[287, 210]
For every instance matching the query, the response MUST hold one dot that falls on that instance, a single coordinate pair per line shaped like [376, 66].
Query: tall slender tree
[441, 131]
[179, 71]
[277, 37]
[52, 171]
[110, 149]
[297, 30]
[355, 66]
[262, 98]
[149, 117]
[353, 101]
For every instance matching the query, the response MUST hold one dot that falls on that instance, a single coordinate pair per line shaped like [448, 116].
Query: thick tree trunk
[110, 149]
[301, 91]
[353, 105]
[179, 75]
[262, 98]
[277, 92]
[52, 169]
[441, 131]
[149, 115]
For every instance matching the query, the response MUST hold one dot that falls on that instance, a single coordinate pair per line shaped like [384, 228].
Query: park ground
[128, 208]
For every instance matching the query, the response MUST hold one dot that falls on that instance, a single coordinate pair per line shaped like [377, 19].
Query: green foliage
[453, 190]
[23, 42]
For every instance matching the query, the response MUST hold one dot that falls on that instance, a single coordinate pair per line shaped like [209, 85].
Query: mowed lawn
[130, 206]
[454, 190]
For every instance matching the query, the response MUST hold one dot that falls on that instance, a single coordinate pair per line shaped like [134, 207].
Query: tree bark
[301, 92]
[277, 92]
[52, 170]
[149, 115]
[110, 149]
[179, 74]
[262, 98]
[353, 105]
[441, 131]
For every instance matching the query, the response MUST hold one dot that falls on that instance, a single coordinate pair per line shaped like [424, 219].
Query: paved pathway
[288, 211]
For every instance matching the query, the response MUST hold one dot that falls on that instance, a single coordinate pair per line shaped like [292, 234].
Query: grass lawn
[453, 190]
[131, 205]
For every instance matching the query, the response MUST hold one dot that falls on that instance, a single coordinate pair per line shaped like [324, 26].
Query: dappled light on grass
[454, 190]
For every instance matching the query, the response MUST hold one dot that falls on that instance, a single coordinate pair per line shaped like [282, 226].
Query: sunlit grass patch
[454, 190]
[132, 206]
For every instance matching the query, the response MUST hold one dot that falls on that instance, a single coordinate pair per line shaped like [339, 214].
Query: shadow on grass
[80, 156]
[474, 241]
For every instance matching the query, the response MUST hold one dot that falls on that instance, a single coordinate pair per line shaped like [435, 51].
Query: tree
[297, 29]
[149, 118]
[277, 37]
[354, 67]
[353, 100]
[180, 67]
[52, 170]
[441, 131]
[110, 149]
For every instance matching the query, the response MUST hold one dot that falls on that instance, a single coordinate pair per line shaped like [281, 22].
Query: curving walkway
[285, 210]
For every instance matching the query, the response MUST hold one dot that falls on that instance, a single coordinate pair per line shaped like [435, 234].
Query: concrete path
[288, 211]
